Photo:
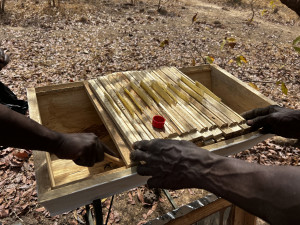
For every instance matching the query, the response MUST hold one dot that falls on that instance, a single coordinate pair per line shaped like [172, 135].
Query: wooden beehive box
[63, 186]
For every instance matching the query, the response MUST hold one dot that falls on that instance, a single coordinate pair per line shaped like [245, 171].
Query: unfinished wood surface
[122, 126]
[171, 122]
[180, 122]
[129, 126]
[139, 119]
[192, 111]
[66, 171]
[42, 173]
[235, 93]
[201, 213]
[158, 133]
[241, 217]
[67, 108]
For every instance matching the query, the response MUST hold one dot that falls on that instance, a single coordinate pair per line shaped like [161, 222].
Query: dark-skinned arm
[269, 192]
[17, 130]
[292, 4]
[276, 120]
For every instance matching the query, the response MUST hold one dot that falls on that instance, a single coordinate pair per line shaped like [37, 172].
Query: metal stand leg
[170, 199]
[98, 214]
[98, 211]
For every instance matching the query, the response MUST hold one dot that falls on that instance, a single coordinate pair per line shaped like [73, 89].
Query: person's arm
[16, 130]
[4, 59]
[292, 4]
[269, 192]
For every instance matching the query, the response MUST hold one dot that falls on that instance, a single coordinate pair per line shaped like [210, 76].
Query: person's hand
[276, 120]
[84, 148]
[172, 164]
[4, 59]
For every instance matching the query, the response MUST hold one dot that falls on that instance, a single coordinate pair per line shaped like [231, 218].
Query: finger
[145, 170]
[100, 149]
[140, 145]
[138, 155]
[82, 162]
[258, 112]
[258, 122]
[155, 182]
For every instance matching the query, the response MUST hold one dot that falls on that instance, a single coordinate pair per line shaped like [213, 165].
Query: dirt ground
[80, 40]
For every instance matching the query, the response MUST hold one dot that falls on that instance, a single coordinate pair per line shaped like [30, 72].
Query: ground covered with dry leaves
[80, 40]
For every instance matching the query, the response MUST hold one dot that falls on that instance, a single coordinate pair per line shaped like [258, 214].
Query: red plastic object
[158, 122]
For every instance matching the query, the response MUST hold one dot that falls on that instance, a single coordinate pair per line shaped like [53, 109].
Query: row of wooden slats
[199, 116]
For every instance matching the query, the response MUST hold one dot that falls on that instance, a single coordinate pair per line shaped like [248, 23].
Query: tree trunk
[292, 4]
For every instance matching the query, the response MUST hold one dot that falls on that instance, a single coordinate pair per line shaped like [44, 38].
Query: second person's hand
[276, 120]
[173, 164]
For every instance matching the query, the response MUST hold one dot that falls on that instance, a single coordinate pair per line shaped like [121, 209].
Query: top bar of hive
[192, 111]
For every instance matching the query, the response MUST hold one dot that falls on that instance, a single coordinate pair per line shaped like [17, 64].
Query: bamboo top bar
[191, 110]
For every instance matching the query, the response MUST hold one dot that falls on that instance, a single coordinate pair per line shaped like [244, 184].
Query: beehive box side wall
[199, 73]
[40, 158]
[236, 94]
[67, 111]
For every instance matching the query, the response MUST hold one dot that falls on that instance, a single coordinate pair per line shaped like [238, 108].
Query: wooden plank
[158, 133]
[169, 127]
[66, 171]
[182, 123]
[200, 108]
[210, 103]
[217, 134]
[241, 217]
[126, 132]
[43, 175]
[122, 147]
[199, 115]
[134, 128]
[139, 120]
[236, 94]
[188, 111]
[200, 213]
[161, 109]
[219, 109]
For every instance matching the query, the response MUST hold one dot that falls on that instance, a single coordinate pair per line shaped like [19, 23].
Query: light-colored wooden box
[63, 186]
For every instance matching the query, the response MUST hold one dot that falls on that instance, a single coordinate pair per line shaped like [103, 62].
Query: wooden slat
[141, 121]
[196, 105]
[203, 119]
[200, 213]
[181, 122]
[127, 132]
[122, 147]
[43, 170]
[173, 127]
[208, 101]
[170, 128]
[127, 119]
[241, 217]
[188, 112]
[161, 133]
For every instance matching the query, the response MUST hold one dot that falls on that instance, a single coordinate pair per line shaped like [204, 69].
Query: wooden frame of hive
[73, 107]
